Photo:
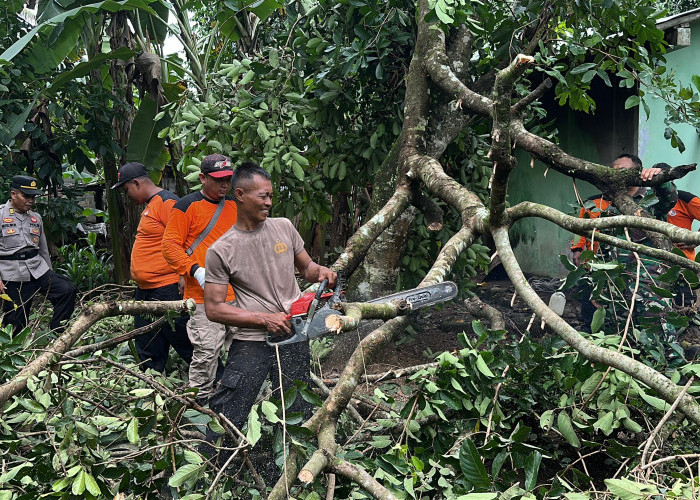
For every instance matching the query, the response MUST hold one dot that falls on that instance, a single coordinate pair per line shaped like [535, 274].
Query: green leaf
[274, 59]
[471, 465]
[532, 467]
[132, 431]
[185, 473]
[253, 434]
[248, 77]
[270, 411]
[142, 393]
[263, 133]
[15, 124]
[547, 419]
[483, 367]
[626, 489]
[591, 383]
[696, 81]
[598, 320]
[478, 496]
[582, 68]
[91, 485]
[632, 101]
[78, 486]
[10, 474]
[298, 171]
[441, 11]
[605, 423]
[567, 430]
[144, 144]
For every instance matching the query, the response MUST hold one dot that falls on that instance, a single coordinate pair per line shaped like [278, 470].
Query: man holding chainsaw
[258, 257]
[196, 221]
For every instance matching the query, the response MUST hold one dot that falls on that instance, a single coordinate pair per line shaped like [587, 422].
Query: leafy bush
[85, 265]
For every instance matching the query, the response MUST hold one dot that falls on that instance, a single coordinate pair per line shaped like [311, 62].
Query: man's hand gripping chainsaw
[309, 321]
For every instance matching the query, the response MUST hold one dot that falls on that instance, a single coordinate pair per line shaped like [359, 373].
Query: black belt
[26, 255]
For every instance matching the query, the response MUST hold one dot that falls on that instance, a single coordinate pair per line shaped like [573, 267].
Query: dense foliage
[315, 92]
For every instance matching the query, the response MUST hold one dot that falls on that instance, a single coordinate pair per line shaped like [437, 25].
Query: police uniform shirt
[22, 233]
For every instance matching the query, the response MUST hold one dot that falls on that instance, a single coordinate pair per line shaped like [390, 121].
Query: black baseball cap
[26, 184]
[217, 165]
[129, 171]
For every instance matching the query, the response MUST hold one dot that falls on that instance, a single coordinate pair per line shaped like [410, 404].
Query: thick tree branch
[479, 309]
[599, 175]
[432, 212]
[584, 226]
[361, 477]
[437, 65]
[459, 51]
[79, 351]
[354, 312]
[501, 141]
[647, 375]
[523, 103]
[362, 240]
[88, 318]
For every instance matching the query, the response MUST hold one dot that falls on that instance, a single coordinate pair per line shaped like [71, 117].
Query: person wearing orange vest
[197, 221]
[155, 279]
[666, 194]
[686, 210]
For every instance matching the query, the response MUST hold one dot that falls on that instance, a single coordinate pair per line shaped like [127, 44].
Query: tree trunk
[123, 215]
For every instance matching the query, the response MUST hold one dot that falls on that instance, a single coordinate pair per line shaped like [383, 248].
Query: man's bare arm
[312, 272]
[219, 311]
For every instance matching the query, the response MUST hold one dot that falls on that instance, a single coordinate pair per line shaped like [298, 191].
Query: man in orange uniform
[686, 210]
[665, 193]
[197, 221]
[154, 277]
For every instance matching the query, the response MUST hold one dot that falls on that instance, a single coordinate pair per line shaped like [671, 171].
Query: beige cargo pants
[207, 340]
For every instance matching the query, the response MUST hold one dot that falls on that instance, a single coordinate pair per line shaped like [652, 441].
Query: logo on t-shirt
[672, 213]
[281, 247]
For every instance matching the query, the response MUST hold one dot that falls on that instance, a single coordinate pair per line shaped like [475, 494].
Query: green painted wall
[653, 148]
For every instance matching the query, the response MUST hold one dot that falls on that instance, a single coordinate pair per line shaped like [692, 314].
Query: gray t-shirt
[259, 265]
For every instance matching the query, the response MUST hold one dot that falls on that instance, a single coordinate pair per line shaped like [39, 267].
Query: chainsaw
[308, 321]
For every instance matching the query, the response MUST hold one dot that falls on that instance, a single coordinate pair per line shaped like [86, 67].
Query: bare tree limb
[83, 322]
[106, 344]
[361, 477]
[541, 89]
[362, 240]
[479, 309]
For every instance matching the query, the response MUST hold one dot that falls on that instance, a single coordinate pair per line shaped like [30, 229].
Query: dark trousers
[247, 366]
[153, 347]
[59, 290]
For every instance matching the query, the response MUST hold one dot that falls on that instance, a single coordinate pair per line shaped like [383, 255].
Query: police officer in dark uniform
[25, 265]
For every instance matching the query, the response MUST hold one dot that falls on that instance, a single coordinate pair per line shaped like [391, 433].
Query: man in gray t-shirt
[257, 257]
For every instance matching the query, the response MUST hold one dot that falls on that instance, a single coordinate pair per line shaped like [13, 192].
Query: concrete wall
[653, 148]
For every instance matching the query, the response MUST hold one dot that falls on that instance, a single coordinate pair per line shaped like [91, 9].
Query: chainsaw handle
[321, 288]
[335, 299]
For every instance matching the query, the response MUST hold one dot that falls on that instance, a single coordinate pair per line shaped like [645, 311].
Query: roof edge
[684, 17]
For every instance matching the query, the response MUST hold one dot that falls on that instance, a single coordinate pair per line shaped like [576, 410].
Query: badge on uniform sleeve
[34, 219]
[12, 210]
[35, 230]
[8, 220]
[11, 231]
[35, 239]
